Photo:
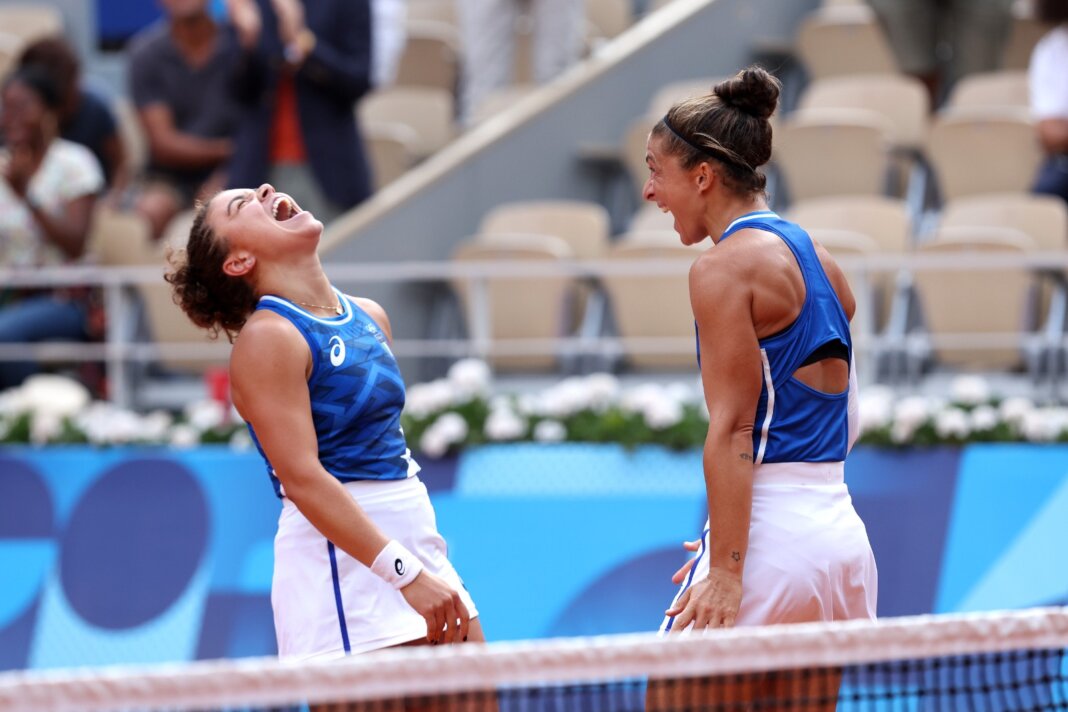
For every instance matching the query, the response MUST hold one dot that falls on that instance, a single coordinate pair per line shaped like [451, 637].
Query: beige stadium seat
[652, 307]
[30, 21]
[838, 152]
[132, 135]
[583, 226]
[1023, 36]
[420, 12]
[960, 306]
[884, 220]
[1043, 218]
[902, 100]
[609, 18]
[976, 153]
[124, 239]
[634, 141]
[500, 100]
[529, 308]
[429, 112]
[990, 90]
[650, 218]
[844, 39]
[674, 92]
[431, 58]
[391, 151]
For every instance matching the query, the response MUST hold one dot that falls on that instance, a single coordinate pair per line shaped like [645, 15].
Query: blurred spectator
[488, 32]
[1049, 97]
[940, 41]
[180, 74]
[390, 34]
[47, 190]
[303, 68]
[84, 117]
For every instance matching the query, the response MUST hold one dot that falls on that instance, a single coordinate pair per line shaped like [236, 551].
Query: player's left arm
[731, 373]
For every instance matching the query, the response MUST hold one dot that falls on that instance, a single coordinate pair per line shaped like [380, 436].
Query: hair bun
[753, 91]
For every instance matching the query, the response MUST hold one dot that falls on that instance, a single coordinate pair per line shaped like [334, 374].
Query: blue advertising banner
[150, 555]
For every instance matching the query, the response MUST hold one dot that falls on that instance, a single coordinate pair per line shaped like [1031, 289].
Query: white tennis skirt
[328, 604]
[809, 558]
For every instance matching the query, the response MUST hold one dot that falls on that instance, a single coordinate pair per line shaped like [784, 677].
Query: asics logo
[337, 351]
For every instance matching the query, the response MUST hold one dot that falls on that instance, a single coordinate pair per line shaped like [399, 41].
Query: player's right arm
[269, 368]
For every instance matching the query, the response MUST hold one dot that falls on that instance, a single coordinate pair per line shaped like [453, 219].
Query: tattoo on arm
[736, 556]
[746, 456]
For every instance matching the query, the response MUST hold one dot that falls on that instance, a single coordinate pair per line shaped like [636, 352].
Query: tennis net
[999, 661]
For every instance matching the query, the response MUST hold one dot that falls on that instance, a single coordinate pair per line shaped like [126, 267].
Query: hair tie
[718, 151]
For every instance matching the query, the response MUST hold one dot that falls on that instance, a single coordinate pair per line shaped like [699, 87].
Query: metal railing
[118, 283]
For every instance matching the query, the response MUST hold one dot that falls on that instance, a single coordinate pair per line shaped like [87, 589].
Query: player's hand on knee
[447, 618]
[680, 575]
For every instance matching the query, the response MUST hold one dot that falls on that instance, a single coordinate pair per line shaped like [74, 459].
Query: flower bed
[464, 409]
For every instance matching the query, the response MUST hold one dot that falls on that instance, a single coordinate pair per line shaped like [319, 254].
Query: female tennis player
[359, 564]
[783, 543]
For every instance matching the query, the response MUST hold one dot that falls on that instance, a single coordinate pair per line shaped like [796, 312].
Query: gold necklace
[336, 308]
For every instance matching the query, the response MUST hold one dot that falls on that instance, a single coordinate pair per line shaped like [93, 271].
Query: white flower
[433, 444]
[45, 426]
[205, 415]
[875, 408]
[984, 417]
[901, 432]
[241, 440]
[970, 390]
[912, 412]
[155, 425]
[105, 424]
[602, 391]
[504, 424]
[663, 413]
[549, 431]
[470, 378]
[184, 436]
[1015, 410]
[426, 399]
[639, 398]
[566, 398]
[1038, 425]
[56, 396]
[952, 423]
[452, 427]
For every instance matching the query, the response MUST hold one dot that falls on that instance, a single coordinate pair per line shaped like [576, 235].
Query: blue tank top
[357, 394]
[795, 422]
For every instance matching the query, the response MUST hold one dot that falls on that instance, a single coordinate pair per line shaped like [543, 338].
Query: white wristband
[396, 565]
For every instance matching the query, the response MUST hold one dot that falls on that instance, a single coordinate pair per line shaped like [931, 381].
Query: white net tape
[389, 673]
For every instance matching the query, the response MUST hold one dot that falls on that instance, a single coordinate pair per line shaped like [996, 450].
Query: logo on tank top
[337, 351]
[379, 337]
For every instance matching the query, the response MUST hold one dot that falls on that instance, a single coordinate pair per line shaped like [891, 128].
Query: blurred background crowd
[110, 134]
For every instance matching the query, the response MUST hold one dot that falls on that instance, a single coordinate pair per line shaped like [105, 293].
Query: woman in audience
[47, 190]
[1049, 97]
[359, 563]
[84, 117]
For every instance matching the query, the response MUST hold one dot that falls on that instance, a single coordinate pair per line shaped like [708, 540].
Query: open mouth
[283, 208]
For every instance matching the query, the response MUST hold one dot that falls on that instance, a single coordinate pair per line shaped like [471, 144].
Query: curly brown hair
[212, 299]
[730, 126]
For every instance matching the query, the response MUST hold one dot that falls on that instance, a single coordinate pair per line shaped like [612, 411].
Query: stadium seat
[428, 112]
[652, 307]
[390, 148]
[902, 100]
[420, 12]
[124, 239]
[993, 91]
[633, 147]
[431, 58]
[844, 39]
[975, 153]
[534, 308]
[608, 18]
[674, 92]
[30, 21]
[966, 321]
[1043, 218]
[650, 218]
[833, 152]
[583, 226]
[499, 100]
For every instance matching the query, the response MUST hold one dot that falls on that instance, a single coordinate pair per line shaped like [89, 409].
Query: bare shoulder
[264, 335]
[724, 269]
[376, 312]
